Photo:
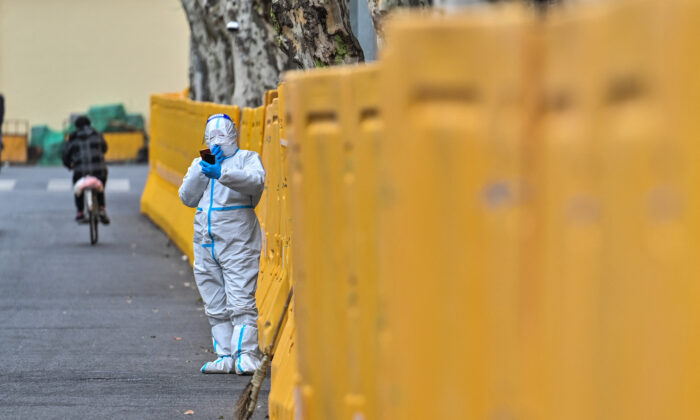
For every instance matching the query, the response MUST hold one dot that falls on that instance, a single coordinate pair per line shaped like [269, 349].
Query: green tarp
[113, 118]
[51, 142]
[102, 116]
[110, 118]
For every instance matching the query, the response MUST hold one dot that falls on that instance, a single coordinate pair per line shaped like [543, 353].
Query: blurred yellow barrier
[177, 135]
[685, 128]
[123, 146]
[273, 285]
[451, 161]
[15, 135]
[565, 245]
[284, 375]
[274, 280]
[15, 149]
[334, 135]
[319, 123]
[646, 248]
[245, 128]
[256, 129]
[362, 144]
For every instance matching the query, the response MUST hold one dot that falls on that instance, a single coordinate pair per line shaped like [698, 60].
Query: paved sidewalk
[114, 330]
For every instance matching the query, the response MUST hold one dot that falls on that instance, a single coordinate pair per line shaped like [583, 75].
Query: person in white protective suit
[227, 242]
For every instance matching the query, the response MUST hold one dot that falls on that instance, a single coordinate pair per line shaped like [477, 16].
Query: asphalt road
[115, 330]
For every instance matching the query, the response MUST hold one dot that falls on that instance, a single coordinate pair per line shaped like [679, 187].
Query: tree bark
[272, 36]
[258, 60]
[211, 56]
[378, 9]
[316, 33]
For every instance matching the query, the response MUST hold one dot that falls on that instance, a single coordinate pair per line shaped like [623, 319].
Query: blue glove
[218, 153]
[211, 171]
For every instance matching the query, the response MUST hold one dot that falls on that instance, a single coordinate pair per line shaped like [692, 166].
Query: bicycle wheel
[93, 218]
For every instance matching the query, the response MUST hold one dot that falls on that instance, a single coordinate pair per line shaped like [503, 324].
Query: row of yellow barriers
[498, 220]
[501, 220]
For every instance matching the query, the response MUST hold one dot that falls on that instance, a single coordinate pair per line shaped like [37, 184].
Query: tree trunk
[258, 60]
[238, 66]
[211, 59]
[316, 33]
[379, 9]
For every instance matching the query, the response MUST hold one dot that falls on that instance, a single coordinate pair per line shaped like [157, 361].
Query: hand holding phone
[207, 156]
[218, 153]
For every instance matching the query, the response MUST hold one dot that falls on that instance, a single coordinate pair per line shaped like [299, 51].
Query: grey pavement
[114, 330]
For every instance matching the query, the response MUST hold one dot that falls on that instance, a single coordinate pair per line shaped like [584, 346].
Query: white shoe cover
[223, 364]
[221, 340]
[247, 356]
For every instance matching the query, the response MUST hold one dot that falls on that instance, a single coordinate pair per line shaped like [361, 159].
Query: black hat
[82, 121]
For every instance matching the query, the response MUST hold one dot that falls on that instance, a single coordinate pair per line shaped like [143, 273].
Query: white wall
[61, 56]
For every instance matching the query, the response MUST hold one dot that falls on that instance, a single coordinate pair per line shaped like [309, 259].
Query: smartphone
[207, 156]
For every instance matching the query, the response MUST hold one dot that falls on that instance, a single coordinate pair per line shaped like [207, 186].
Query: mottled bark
[272, 36]
[258, 60]
[379, 9]
[211, 56]
[316, 33]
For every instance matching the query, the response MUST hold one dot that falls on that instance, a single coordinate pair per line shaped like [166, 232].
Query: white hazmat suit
[227, 242]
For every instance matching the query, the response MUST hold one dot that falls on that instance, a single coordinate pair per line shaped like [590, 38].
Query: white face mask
[221, 131]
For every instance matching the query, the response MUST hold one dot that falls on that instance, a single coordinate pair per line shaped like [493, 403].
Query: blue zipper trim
[211, 208]
[211, 200]
[240, 340]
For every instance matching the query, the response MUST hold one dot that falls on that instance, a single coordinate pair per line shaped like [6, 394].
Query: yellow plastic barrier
[647, 252]
[362, 143]
[177, 135]
[15, 149]
[564, 247]
[123, 146]
[284, 374]
[273, 284]
[686, 129]
[450, 212]
[15, 133]
[245, 128]
[256, 130]
[319, 124]
[270, 96]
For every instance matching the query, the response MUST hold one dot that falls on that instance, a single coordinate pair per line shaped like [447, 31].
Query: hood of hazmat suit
[221, 131]
[227, 243]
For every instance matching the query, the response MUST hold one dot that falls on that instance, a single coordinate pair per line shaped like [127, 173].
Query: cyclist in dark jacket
[84, 154]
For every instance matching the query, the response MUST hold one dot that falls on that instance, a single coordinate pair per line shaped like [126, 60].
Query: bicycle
[89, 186]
